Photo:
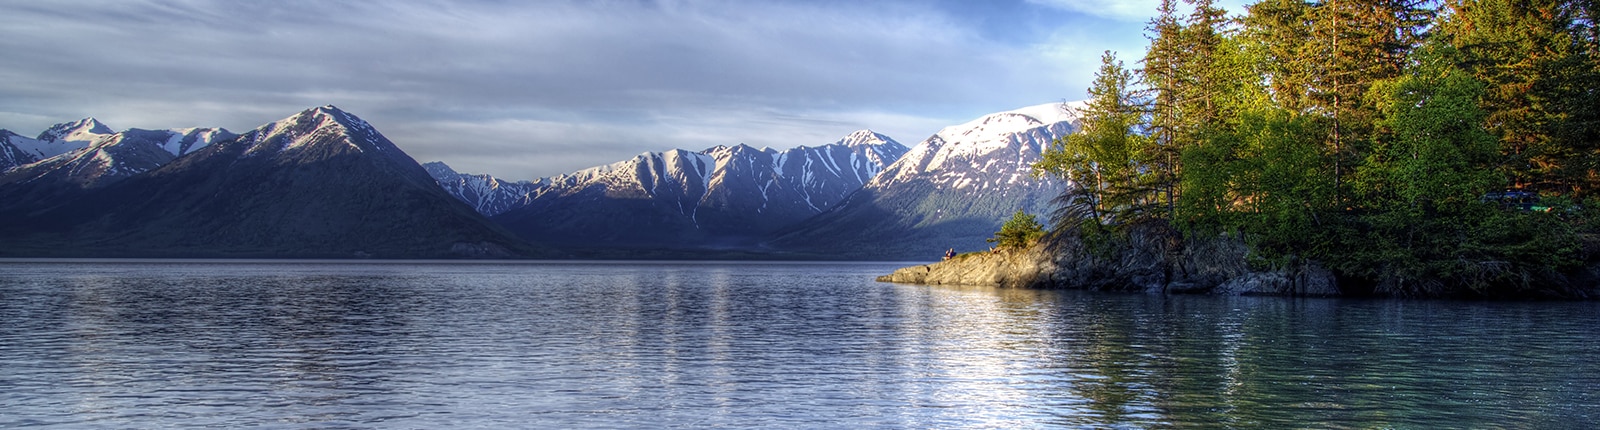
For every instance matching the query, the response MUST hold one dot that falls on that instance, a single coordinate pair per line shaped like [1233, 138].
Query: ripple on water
[751, 344]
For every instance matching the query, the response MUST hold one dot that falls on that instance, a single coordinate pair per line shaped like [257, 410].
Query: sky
[528, 89]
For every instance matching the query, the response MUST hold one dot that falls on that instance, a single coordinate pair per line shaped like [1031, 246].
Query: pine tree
[1536, 58]
[1161, 75]
[1280, 30]
[1202, 41]
[1106, 184]
[1349, 45]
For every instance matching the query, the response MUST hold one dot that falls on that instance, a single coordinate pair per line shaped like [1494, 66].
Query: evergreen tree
[1363, 134]
[1099, 162]
[1280, 30]
[1536, 61]
[1161, 75]
[1356, 43]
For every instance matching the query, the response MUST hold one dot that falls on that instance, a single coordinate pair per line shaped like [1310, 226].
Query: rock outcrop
[1027, 268]
[1152, 259]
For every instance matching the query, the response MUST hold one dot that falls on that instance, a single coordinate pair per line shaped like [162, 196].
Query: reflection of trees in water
[1274, 362]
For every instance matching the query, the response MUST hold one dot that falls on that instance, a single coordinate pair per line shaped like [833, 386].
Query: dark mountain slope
[322, 183]
[683, 204]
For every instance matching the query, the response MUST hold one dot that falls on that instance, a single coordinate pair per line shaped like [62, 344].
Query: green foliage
[1540, 75]
[1432, 152]
[1101, 161]
[1020, 232]
[1359, 134]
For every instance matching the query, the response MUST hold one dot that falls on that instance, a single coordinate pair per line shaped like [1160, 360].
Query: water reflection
[789, 345]
[1090, 359]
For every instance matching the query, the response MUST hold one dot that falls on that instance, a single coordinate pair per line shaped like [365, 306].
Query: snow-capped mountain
[825, 175]
[723, 196]
[83, 130]
[321, 183]
[486, 194]
[12, 152]
[59, 139]
[952, 190]
[94, 159]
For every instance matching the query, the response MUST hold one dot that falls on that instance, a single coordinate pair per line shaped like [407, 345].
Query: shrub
[1022, 230]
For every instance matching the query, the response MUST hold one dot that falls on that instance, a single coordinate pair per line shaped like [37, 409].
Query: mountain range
[720, 198]
[324, 183]
[953, 190]
[320, 183]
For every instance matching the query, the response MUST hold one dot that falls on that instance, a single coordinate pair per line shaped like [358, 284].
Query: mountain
[109, 157]
[321, 183]
[87, 129]
[74, 156]
[15, 150]
[952, 190]
[486, 194]
[721, 198]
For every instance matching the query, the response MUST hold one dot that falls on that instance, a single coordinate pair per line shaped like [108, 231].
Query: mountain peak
[318, 127]
[331, 112]
[438, 169]
[869, 138]
[83, 129]
[1015, 120]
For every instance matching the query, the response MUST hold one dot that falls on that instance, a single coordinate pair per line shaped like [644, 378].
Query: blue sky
[529, 89]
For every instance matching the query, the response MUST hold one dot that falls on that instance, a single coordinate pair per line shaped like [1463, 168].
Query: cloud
[528, 89]
[1127, 10]
[1131, 10]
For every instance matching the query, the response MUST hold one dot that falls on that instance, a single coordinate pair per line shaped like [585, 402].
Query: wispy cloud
[1126, 10]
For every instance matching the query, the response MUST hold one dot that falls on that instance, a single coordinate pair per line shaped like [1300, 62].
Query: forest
[1415, 148]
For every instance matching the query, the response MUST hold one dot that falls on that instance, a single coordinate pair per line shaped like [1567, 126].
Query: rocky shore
[1153, 260]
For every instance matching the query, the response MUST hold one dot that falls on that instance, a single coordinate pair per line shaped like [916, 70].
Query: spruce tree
[1106, 183]
[1161, 75]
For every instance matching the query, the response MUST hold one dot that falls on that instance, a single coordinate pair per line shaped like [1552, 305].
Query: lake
[705, 344]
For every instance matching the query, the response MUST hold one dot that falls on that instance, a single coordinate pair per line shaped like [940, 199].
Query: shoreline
[1162, 261]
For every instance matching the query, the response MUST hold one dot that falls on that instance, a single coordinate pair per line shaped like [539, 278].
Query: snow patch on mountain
[181, 141]
[87, 153]
[62, 138]
[952, 190]
[1014, 138]
[12, 152]
[83, 130]
[324, 127]
[486, 194]
[681, 198]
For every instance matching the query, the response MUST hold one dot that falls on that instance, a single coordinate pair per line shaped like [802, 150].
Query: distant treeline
[1416, 148]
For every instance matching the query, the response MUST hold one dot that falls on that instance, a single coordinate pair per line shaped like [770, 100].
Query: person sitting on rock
[950, 254]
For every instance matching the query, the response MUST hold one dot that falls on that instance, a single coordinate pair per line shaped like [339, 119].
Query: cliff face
[1155, 259]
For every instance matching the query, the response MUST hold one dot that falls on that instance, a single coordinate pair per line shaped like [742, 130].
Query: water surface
[618, 344]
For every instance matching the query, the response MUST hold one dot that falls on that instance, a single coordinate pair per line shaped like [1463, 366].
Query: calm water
[745, 345]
